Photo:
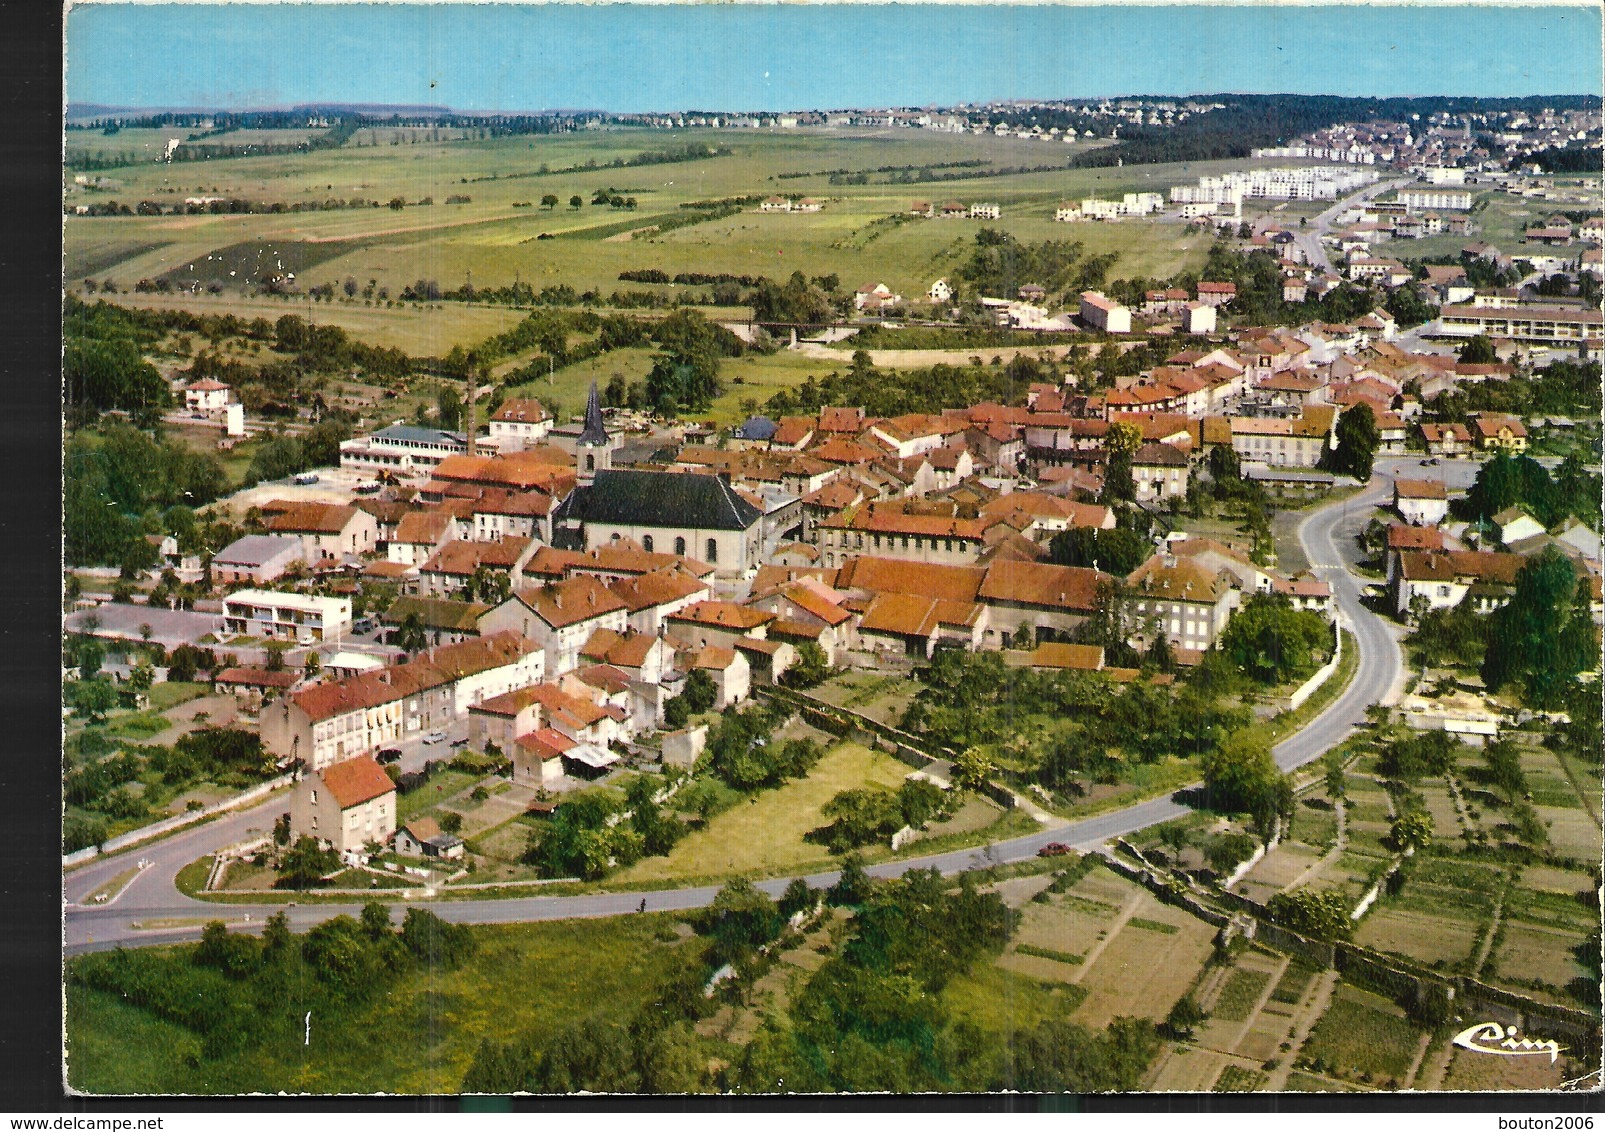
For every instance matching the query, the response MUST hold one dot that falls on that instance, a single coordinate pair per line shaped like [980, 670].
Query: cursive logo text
[1491, 1037]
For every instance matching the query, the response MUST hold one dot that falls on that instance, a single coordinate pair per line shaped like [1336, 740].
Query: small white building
[1421, 503]
[985, 211]
[206, 396]
[1198, 318]
[940, 292]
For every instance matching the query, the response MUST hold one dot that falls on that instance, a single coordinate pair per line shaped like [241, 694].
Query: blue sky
[772, 57]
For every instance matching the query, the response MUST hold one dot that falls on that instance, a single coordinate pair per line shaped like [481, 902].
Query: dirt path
[1127, 910]
[1304, 1019]
[1434, 1068]
[1487, 945]
[1415, 1065]
[1338, 845]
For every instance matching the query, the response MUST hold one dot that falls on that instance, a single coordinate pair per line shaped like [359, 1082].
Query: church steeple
[595, 432]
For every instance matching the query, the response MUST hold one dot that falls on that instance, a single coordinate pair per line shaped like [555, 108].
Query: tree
[1319, 913]
[1357, 440]
[1411, 830]
[313, 665]
[1505, 773]
[798, 897]
[451, 821]
[275, 657]
[1226, 851]
[1478, 350]
[972, 769]
[409, 636]
[576, 201]
[549, 201]
[141, 677]
[811, 668]
[281, 830]
[449, 408]
[306, 863]
[1241, 777]
[1224, 467]
[700, 692]
[1336, 783]
[1273, 642]
[853, 887]
[1185, 1017]
[93, 699]
[740, 920]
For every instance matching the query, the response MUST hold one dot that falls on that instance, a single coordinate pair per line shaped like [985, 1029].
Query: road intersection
[151, 909]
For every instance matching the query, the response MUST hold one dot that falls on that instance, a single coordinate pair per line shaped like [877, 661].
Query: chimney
[472, 426]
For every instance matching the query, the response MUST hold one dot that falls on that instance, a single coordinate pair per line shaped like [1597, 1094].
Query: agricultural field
[1364, 1037]
[497, 241]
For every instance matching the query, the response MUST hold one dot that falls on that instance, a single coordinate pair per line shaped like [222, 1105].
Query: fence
[176, 822]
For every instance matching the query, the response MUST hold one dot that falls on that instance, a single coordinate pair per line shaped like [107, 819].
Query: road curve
[1326, 537]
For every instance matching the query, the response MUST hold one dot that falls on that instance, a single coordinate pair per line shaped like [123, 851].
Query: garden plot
[1236, 1024]
[1480, 1072]
[1445, 818]
[1427, 938]
[1145, 966]
[1276, 870]
[1528, 952]
[1572, 832]
[1055, 937]
[1189, 1069]
[1363, 1037]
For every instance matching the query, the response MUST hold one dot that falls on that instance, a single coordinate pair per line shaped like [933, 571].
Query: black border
[30, 900]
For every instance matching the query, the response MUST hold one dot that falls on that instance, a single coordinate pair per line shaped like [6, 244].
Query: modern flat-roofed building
[255, 560]
[401, 449]
[1425, 200]
[286, 616]
[1568, 326]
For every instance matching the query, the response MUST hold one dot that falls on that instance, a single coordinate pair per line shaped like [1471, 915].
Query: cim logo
[1491, 1037]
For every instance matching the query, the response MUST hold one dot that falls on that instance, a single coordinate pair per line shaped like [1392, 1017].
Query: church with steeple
[593, 450]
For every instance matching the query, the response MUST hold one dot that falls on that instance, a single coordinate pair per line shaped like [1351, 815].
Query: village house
[423, 837]
[728, 668]
[450, 569]
[1495, 431]
[1446, 439]
[1159, 472]
[256, 560]
[1427, 580]
[519, 423]
[347, 806]
[1421, 503]
[559, 617]
[444, 622]
[325, 530]
[206, 396]
[1515, 524]
[1186, 601]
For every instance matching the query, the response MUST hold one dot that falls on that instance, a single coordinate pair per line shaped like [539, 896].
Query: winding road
[152, 898]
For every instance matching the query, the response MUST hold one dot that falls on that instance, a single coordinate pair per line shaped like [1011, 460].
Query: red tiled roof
[352, 782]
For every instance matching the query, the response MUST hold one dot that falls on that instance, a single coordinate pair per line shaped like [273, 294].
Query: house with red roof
[345, 806]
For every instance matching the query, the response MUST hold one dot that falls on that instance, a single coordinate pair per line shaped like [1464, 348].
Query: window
[679, 546]
[314, 797]
[646, 543]
[590, 463]
[713, 550]
[314, 821]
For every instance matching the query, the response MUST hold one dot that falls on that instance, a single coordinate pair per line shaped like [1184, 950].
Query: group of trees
[1545, 635]
[1241, 777]
[1081, 728]
[1506, 481]
[863, 816]
[999, 265]
[1272, 642]
[745, 754]
[685, 373]
[121, 485]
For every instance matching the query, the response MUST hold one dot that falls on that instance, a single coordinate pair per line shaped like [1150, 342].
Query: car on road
[1054, 849]
[305, 478]
[463, 742]
[433, 737]
[366, 488]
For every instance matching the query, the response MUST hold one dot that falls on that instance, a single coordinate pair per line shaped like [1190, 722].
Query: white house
[1421, 503]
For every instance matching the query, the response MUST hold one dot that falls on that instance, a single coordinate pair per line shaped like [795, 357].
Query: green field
[497, 242]
[763, 835]
[419, 1037]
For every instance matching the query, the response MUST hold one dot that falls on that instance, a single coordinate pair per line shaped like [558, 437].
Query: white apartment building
[302, 618]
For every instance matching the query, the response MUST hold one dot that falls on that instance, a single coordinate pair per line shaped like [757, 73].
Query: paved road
[1327, 536]
[1309, 239]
